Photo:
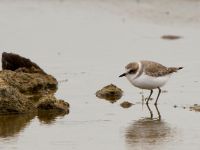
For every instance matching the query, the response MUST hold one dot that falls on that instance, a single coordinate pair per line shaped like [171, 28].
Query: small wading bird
[148, 75]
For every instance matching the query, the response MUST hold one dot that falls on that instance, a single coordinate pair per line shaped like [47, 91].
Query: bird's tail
[174, 69]
[179, 68]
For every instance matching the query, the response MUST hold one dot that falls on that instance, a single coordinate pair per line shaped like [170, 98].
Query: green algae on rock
[110, 92]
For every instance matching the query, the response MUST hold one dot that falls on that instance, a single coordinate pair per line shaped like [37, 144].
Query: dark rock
[126, 104]
[11, 61]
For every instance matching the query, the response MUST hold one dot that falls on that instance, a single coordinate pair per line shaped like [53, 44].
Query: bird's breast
[148, 82]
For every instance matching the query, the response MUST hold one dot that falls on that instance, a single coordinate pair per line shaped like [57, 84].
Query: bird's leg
[149, 96]
[151, 113]
[143, 99]
[159, 91]
[159, 115]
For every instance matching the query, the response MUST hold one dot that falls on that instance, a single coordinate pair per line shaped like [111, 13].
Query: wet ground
[85, 45]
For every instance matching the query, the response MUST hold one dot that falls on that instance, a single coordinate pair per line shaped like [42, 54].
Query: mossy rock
[25, 87]
[29, 83]
[110, 92]
[50, 103]
[13, 102]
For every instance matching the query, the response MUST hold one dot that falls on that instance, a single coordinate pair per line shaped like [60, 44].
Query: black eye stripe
[132, 71]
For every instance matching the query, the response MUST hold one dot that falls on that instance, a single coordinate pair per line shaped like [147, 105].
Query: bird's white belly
[148, 82]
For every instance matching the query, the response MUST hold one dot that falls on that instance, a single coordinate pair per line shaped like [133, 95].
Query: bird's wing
[155, 69]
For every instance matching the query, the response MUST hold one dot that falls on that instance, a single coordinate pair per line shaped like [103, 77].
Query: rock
[51, 103]
[29, 83]
[110, 92]
[195, 107]
[126, 104]
[12, 101]
[25, 87]
[171, 37]
[11, 61]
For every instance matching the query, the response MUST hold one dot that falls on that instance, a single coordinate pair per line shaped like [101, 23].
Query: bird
[148, 75]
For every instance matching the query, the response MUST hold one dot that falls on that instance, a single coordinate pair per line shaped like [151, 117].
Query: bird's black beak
[122, 75]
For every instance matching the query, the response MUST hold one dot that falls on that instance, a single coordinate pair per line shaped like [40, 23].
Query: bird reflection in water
[150, 111]
[149, 132]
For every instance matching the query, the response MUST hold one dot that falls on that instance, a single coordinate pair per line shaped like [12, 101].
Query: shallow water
[85, 45]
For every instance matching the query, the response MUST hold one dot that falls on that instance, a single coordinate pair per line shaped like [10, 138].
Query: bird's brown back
[155, 69]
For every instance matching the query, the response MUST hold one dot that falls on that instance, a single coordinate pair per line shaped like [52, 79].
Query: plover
[148, 75]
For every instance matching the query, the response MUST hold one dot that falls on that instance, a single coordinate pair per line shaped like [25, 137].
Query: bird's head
[131, 70]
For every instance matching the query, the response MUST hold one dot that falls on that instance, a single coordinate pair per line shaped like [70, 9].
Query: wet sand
[85, 45]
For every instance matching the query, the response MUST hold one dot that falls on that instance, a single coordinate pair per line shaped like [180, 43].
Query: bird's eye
[131, 71]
